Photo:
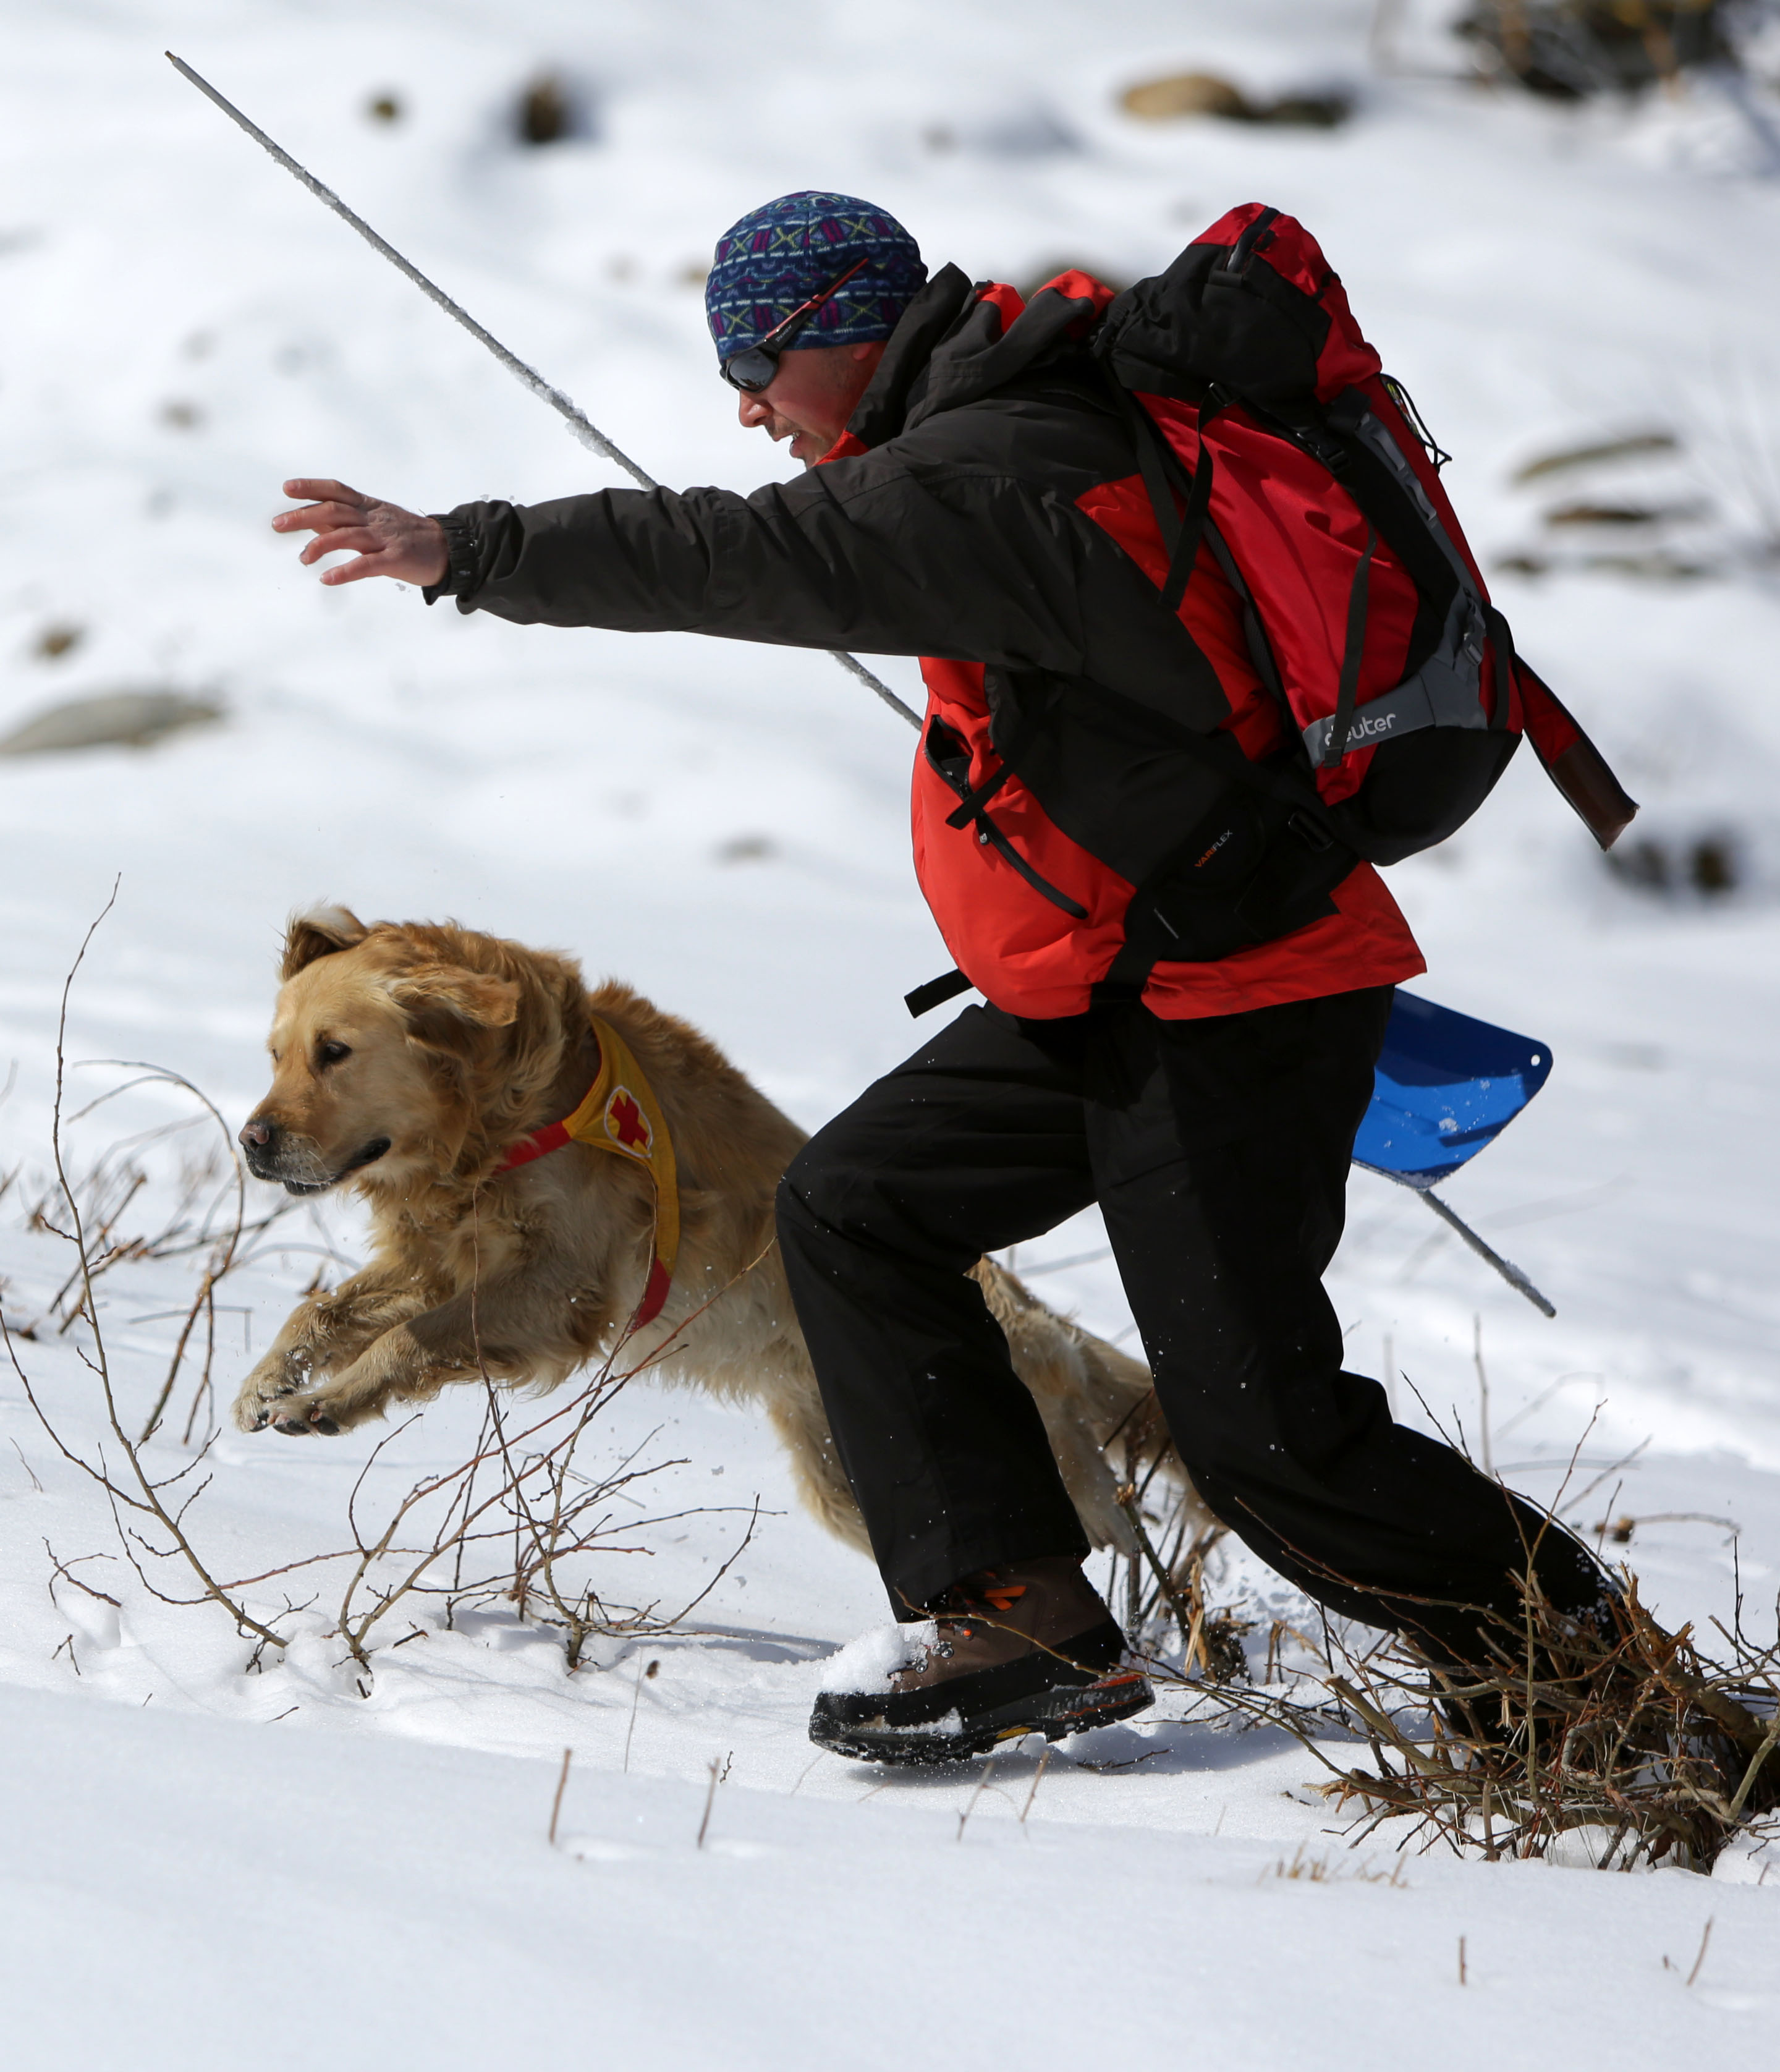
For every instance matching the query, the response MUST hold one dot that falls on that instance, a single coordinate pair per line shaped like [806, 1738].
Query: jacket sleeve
[909, 549]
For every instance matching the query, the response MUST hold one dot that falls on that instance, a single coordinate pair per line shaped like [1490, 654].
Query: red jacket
[984, 511]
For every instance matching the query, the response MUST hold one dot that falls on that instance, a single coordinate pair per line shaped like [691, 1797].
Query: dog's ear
[319, 933]
[446, 1004]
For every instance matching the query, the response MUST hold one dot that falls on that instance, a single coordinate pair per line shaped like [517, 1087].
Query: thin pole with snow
[577, 421]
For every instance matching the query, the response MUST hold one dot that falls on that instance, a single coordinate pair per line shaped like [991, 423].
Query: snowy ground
[725, 829]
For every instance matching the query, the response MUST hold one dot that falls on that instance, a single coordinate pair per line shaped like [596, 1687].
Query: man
[968, 498]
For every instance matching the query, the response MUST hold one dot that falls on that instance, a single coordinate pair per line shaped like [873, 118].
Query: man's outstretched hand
[388, 540]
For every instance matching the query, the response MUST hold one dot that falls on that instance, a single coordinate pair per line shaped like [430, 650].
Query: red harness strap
[619, 1113]
[552, 1137]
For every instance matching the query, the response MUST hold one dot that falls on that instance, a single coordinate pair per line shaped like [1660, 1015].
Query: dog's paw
[297, 1411]
[269, 1392]
[284, 1393]
[300, 1417]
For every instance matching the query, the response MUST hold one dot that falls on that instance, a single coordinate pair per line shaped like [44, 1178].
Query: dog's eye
[331, 1052]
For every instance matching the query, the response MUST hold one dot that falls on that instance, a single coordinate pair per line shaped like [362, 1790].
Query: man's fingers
[387, 540]
[314, 517]
[342, 539]
[334, 502]
[320, 490]
[352, 571]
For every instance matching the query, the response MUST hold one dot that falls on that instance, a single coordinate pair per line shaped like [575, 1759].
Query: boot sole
[1057, 1713]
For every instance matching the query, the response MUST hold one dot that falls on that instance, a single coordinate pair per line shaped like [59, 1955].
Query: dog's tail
[1100, 1412]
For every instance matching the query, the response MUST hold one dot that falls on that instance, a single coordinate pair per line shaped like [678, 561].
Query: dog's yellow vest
[620, 1114]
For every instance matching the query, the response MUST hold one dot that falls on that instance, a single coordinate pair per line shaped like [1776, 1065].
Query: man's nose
[257, 1133]
[752, 412]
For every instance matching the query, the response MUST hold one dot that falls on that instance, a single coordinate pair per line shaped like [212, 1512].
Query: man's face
[808, 401]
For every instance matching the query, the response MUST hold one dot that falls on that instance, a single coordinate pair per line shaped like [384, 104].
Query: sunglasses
[753, 369]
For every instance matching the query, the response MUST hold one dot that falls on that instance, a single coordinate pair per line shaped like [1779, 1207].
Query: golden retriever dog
[408, 1057]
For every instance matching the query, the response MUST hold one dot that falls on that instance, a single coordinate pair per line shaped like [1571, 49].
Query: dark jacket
[982, 511]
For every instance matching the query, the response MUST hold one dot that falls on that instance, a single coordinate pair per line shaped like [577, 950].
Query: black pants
[1219, 1153]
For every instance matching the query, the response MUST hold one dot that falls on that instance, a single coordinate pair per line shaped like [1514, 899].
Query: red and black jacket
[986, 511]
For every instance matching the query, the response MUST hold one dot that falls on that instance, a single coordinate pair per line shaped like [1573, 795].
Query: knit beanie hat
[783, 252]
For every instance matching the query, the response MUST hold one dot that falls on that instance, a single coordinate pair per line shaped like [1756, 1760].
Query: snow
[185, 1898]
[208, 1858]
[869, 1661]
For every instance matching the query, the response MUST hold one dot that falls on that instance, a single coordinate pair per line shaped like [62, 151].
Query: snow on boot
[1027, 1648]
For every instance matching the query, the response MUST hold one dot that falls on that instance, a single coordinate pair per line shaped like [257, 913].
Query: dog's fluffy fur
[407, 1057]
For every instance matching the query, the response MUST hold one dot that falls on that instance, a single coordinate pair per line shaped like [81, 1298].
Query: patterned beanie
[786, 251]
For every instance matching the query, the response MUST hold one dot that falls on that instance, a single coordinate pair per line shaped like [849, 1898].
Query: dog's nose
[256, 1134]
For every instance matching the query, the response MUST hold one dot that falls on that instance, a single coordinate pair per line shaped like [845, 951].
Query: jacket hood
[960, 340]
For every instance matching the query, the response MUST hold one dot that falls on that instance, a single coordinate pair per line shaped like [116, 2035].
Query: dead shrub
[1640, 1745]
[1566, 50]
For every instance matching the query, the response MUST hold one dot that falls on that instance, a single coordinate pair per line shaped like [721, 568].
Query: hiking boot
[1029, 1649]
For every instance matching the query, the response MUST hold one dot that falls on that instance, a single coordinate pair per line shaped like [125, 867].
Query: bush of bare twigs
[1620, 1728]
[1566, 49]
[1648, 1746]
[528, 1520]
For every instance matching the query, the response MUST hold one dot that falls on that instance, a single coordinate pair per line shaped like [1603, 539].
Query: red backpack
[1267, 429]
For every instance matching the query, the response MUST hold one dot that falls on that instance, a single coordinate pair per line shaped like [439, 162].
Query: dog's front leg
[516, 1327]
[324, 1334]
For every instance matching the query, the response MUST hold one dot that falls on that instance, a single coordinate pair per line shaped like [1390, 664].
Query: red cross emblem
[626, 1124]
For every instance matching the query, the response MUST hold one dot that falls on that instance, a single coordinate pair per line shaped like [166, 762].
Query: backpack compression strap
[1572, 761]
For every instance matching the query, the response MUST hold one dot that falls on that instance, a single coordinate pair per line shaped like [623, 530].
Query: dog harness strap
[620, 1114]
[552, 1137]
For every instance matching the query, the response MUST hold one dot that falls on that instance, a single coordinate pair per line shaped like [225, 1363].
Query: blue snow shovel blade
[1445, 1087]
